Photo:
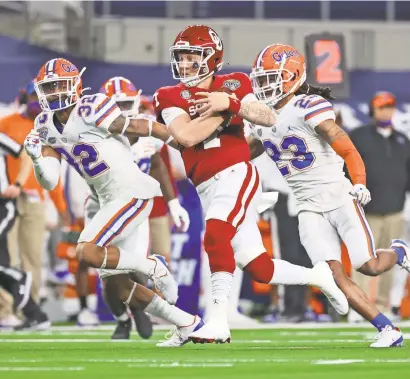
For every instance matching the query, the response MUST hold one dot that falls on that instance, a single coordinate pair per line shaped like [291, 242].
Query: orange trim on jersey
[241, 194]
[317, 112]
[112, 220]
[317, 102]
[370, 247]
[102, 105]
[355, 166]
[106, 114]
[115, 234]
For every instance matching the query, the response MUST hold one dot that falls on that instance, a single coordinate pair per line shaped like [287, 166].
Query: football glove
[361, 193]
[33, 145]
[179, 215]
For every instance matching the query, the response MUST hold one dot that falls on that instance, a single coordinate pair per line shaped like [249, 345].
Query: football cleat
[399, 244]
[388, 337]
[122, 330]
[212, 332]
[87, 318]
[163, 280]
[179, 335]
[322, 277]
[37, 323]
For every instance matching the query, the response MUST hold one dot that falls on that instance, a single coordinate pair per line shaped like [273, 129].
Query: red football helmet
[200, 40]
[122, 90]
[279, 70]
[58, 85]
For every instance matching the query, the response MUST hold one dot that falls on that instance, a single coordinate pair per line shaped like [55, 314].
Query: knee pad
[261, 268]
[217, 243]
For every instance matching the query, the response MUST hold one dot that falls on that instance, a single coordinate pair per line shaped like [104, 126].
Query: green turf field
[279, 353]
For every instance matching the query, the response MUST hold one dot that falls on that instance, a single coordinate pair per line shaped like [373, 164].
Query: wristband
[169, 140]
[126, 124]
[149, 128]
[18, 184]
[234, 105]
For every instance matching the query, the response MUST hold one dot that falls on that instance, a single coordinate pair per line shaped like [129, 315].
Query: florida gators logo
[68, 67]
[43, 133]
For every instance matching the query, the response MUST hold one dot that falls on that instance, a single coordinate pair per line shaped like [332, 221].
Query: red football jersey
[221, 150]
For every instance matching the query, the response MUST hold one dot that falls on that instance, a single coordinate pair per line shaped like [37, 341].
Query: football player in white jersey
[88, 131]
[310, 150]
[146, 156]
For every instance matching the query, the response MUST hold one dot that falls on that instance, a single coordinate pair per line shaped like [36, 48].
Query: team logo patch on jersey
[185, 94]
[259, 132]
[52, 140]
[43, 133]
[232, 84]
[273, 129]
[64, 139]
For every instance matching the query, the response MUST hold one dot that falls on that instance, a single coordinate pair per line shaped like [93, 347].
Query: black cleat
[39, 322]
[143, 324]
[122, 331]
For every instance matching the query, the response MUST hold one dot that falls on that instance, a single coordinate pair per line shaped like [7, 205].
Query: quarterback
[227, 183]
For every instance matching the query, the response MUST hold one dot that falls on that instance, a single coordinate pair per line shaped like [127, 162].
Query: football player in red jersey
[216, 158]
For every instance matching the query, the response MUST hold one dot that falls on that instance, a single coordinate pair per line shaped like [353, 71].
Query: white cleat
[322, 277]
[399, 244]
[87, 318]
[212, 332]
[388, 337]
[163, 280]
[179, 335]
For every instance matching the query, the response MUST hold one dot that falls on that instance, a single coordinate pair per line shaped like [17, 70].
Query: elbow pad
[47, 171]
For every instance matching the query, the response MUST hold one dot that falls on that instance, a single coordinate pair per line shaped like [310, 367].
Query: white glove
[179, 215]
[33, 145]
[144, 148]
[361, 193]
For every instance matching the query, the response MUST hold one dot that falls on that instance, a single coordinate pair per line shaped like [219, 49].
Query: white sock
[235, 291]
[123, 317]
[221, 289]
[131, 261]
[289, 274]
[160, 308]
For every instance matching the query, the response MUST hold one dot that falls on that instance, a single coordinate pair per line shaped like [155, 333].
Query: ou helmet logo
[215, 38]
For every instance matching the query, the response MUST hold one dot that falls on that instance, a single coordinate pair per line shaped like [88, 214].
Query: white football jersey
[312, 168]
[103, 159]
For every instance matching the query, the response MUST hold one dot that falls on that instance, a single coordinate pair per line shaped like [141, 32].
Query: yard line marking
[337, 362]
[42, 368]
[177, 364]
[64, 340]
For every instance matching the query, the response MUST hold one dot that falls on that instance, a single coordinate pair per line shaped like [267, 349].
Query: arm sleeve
[47, 172]
[318, 110]
[170, 114]
[99, 111]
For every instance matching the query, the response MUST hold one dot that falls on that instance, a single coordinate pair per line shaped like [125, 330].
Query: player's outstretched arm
[142, 127]
[46, 161]
[255, 146]
[252, 111]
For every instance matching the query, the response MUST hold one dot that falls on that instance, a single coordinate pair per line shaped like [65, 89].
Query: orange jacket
[16, 126]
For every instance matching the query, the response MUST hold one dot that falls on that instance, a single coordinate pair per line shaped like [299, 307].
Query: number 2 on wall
[328, 58]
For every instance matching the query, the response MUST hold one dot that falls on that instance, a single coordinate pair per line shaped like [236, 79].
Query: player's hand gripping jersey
[103, 159]
[225, 147]
[312, 168]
